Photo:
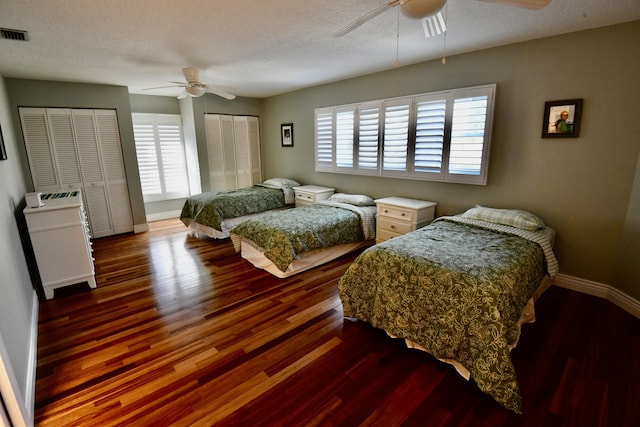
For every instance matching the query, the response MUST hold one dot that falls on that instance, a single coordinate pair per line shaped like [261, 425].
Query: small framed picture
[286, 132]
[3, 149]
[562, 119]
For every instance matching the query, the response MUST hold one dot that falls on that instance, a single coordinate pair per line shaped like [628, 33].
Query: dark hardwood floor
[182, 331]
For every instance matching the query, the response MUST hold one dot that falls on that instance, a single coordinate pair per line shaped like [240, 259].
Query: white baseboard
[30, 395]
[601, 290]
[140, 228]
[163, 215]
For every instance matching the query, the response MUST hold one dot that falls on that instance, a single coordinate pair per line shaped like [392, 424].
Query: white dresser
[397, 215]
[61, 241]
[309, 194]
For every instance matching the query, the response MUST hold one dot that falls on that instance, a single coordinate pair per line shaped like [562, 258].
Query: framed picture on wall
[3, 150]
[562, 118]
[286, 132]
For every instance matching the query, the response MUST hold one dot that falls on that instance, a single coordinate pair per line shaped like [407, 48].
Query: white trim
[30, 394]
[10, 392]
[163, 215]
[616, 296]
[140, 228]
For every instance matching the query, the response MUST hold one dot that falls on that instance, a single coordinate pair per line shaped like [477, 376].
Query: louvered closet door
[39, 149]
[221, 152]
[114, 173]
[254, 144]
[95, 189]
[247, 148]
[64, 148]
[242, 151]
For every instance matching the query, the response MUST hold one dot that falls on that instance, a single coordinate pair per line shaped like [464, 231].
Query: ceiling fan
[421, 9]
[194, 87]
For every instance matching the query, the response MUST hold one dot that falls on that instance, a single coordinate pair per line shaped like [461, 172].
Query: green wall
[18, 302]
[580, 186]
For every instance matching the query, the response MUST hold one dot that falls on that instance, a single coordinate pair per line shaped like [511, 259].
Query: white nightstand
[309, 194]
[397, 215]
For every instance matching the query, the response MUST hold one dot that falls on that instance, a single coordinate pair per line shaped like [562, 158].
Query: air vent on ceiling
[17, 35]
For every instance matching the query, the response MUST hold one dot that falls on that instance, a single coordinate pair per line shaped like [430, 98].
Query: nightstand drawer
[397, 212]
[382, 235]
[394, 226]
[309, 194]
[304, 196]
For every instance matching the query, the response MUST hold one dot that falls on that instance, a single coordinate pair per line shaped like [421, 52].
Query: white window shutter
[345, 132]
[369, 138]
[429, 135]
[396, 136]
[324, 139]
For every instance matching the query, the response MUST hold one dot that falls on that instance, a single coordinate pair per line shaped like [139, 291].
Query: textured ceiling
[261, 48]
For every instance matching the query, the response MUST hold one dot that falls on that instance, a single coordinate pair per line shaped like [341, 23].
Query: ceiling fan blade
[527, 4]
[355, 24]
[217, 91]
[163, 87]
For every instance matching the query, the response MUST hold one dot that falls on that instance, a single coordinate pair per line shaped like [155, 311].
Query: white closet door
[114, 173]
[253, 129]
[233, 145]
[39, 149]
[64, 148]
[95, 190]
[221, 152]
[242, 150]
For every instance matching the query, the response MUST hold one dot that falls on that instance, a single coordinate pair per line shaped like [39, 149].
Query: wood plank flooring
[183, 331]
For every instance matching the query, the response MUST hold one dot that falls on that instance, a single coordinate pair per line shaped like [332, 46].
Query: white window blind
[396, 136]
[161, 157]
[368, 132]
[440, 136]
[345, 131]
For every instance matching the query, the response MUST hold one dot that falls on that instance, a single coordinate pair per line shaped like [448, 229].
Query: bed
[215, 213]
[459, 289]
[288, 242]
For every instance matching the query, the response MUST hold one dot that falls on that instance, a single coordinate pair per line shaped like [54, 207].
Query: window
[160, 150]
[441, 136]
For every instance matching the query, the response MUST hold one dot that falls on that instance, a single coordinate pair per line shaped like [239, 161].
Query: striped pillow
[512, 217]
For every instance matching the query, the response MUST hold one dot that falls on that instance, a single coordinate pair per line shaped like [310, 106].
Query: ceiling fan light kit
[421, 8]
[195, 90]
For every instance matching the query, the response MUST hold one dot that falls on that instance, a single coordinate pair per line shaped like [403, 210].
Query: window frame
[326, 149]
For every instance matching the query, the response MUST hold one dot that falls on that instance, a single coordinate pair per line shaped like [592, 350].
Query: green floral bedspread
[212, 208]
[284, 234]
[456, 289]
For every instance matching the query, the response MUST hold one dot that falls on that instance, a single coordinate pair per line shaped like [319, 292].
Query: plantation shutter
[396, 136]
[324, 125]
[161, 156]
[345, 132]
[430, 135]
[368, 137]
[470, 136]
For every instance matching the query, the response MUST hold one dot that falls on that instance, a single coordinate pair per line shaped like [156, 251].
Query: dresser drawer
[393, 225]
[382, 235]
[397, 212]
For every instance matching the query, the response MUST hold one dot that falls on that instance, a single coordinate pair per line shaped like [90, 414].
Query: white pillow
[280, 182]
[352, 199]
[512, 217]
